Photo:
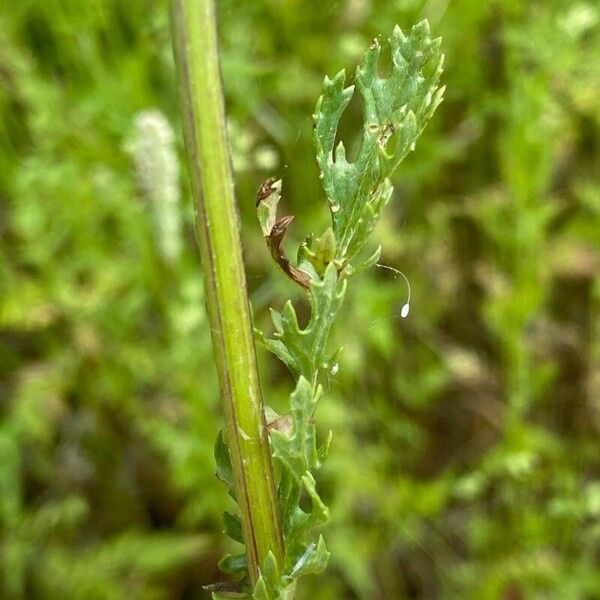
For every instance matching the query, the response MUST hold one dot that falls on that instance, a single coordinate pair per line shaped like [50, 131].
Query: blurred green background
[466, 453]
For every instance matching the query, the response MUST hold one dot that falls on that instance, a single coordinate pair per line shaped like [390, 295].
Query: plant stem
[195, 44]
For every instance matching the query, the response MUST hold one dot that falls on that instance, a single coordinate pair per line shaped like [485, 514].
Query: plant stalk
[195, 45]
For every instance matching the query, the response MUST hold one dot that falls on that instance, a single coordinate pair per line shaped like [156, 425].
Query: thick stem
[195, 44]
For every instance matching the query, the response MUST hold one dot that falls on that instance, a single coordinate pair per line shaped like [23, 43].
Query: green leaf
[223, 461]
[367, 263]
[303, 350]
[261, 591]
[313, 561]
[298, 452]
[370, 216]
[299, 455]
[271, 585]
[320, 252]
[319, 514]
[396, 110]
[233, 527]
[234, 564]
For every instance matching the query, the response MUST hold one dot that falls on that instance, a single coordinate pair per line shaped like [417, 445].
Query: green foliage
[466, 436]
[304, 350]
[396, 111]
[299, 456]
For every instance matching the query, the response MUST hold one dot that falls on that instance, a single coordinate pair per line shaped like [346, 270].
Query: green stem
[195, 44]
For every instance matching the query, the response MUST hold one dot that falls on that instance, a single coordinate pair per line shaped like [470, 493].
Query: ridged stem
[195, 44]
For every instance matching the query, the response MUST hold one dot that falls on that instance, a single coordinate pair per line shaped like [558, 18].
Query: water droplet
[335, 208]
[334, 369]
[405, 310]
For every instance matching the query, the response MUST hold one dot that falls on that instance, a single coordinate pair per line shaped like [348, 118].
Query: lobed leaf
[304, 350]
[396, 110]
[299, 456]
[298, 451]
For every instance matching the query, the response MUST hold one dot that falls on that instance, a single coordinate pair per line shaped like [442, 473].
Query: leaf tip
[421, 29]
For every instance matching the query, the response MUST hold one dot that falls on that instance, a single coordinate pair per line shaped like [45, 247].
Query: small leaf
[270, 585]
[261, 591]
[320, 252]
[319, 514]
[303, 350]
[233, 527]
[298, 451]
[323, 451]
[277, 347]
[223, 460]
[313, 561]
[234, 564]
